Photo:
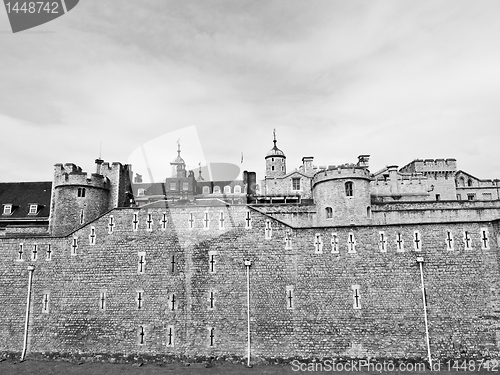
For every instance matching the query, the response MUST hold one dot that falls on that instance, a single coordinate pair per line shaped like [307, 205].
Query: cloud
[397, 80]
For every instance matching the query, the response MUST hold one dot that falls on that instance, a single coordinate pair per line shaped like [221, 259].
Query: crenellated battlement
[72, 175]
[337, 172]
[430, 165]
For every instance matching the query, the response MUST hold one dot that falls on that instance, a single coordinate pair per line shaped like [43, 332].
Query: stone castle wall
[321, 269]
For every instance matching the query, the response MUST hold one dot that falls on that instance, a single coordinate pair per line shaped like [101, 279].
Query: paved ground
[9, 367]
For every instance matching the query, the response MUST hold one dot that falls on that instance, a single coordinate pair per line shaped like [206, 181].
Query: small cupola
[275, 160]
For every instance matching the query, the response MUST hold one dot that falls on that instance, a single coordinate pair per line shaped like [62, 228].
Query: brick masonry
[462, 288]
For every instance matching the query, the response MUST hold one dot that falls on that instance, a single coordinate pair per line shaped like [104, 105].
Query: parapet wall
[340, 172]
[173, 282]
[70, 174]
[430, 165]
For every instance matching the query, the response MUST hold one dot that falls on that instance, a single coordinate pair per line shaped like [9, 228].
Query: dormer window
[216, 189]
[140, 192]
[33, 209]
[7, 209]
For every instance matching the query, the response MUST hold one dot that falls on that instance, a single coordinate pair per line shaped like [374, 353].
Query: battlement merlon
[70, 174]
[347, 171]
[430, 165]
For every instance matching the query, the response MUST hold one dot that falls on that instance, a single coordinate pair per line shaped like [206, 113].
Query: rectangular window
[191, 221]
[400, 243]
[459, 197]
[34, 253]
[356, 296]
[7, 209]
[49, 253]
[222, 220]
[438, 197]
[382, 242]
[417, 241]
[139, 299]
[211, 336]
[318, 244]
[172, 264]
[141, 334]
[81, 193]
[211, 299]
[185, 186]
[295, 183]
[92, 236]
[449, 241]
[485, 240]
[211, 261]
[170, 336]
[111, 224]
[149, 222]
[471, 196]
[102, 300]
[288, 240]
[335, 243]
[173, 186]
[206, 220]
[351, 243]
[486, 196]
[268, 230]
[172, 302]
[248, 220]
[349, 189]
[467, 240]
[290, 296]
[163, 221]
[135, 222]
[45, 302]
[141, 263]
[20, 252]
[74, 246]
[33, 209]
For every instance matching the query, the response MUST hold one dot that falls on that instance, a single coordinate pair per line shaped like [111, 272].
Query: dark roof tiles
[21, 195]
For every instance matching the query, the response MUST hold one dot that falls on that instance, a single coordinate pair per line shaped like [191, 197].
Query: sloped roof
[275, 151]
[21, 195]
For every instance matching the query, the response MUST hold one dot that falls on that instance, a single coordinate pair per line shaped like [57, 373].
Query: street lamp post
[248, 263]
[420, 261]
[28, 304]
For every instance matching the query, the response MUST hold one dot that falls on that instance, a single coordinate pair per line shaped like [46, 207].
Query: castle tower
[275, 161]
[178, 165]
[342, 195]
[78, 198]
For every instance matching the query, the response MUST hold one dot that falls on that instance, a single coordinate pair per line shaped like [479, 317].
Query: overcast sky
[398, 80]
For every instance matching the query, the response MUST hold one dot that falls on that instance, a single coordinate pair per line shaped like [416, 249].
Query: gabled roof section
[23, 194]
[460, 172]
[295, 171]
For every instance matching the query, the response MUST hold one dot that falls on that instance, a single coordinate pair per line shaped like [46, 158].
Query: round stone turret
[342, 195]
[78, 197]
[275, 161]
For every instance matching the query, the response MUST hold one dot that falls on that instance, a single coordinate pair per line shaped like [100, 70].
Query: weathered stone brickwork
[193, 287]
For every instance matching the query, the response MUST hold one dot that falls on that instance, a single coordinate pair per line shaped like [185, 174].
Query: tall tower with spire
[178, 165]
[275, 161]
